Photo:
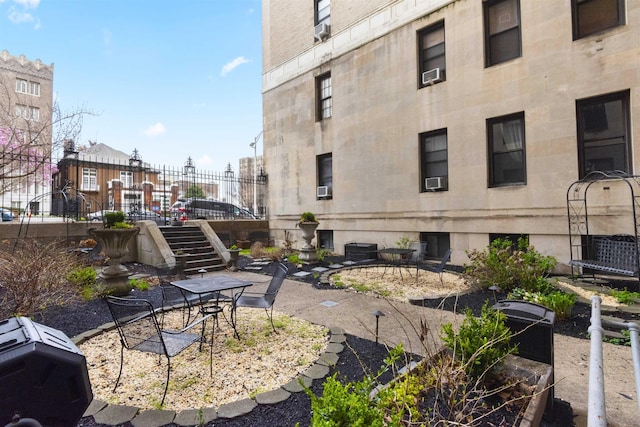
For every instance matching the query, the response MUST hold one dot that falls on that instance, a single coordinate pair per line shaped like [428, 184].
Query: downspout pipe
[597, 416]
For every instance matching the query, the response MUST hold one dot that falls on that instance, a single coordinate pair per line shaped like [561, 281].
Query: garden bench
[614, 254]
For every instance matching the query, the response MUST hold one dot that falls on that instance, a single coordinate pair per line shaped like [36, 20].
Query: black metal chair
[264, 300]
[140, 330]
[173, 297]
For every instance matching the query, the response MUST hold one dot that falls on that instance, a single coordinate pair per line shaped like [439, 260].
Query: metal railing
[597, 416]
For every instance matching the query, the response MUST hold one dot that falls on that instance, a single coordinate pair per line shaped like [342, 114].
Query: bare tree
[28, 137]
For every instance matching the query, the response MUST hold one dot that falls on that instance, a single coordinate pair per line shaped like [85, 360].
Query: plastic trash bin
[532, 328]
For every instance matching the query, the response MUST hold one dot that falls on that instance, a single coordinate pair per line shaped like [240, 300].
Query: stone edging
[103, 413]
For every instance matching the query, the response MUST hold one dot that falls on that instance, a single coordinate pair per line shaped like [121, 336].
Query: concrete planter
[115, 278]
[533, 373]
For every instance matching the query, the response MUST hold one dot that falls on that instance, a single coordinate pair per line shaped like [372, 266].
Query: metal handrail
[596, 407]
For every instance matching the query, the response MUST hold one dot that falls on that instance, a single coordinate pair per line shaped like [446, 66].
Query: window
[323, 89]
[434, 161]
[89, 179]
[432, 55]
[126, 178]
[325, 239]
[34, 88]
[21, 86]
[592, 16]
[27, 113]
[502, 31]
[24, 86]
[325, 176]
[437, 244]
[506, 150]
[323, 9]
[603, 133]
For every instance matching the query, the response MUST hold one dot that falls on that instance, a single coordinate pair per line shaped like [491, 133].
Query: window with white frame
[127, 179]
[34, 114]
[89, 179]
[507, 160]
[27, 112]
[594, 16]
[28, 87]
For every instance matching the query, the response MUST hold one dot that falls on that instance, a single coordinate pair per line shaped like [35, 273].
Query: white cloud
[20, 14]
[230, 66]
[19, 17]
[155, 130]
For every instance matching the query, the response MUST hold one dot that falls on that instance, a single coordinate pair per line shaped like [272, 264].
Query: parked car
[7, 215]
[208, 209]
[132, 216]
[140, 215]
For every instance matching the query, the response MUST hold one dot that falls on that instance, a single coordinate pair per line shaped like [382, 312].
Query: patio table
[396, 255]
[214, 284]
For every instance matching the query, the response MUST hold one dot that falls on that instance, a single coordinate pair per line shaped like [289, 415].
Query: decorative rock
[316, 371]
[334, 347]
[94, 407]
[294, 385]
[195, 417]
[153, 418]
[115, 414]
[328, 359]
[338, 338]
[236, 409]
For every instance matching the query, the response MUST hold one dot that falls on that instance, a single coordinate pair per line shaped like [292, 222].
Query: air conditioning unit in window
[324, 191]
[430, 77]
[435, 183]
[322, 31]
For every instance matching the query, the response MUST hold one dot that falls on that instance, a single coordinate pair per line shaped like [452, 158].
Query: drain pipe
[634, 330]
[597, 416]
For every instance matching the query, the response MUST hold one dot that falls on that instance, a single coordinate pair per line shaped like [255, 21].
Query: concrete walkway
[352, 313]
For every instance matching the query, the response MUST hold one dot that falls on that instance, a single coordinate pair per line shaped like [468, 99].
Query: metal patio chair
[140, 330]
[264, 300]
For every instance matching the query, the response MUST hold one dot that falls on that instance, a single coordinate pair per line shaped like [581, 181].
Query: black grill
[43, 375]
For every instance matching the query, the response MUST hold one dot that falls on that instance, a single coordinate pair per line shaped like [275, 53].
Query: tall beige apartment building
[448, 121]
[26, 102]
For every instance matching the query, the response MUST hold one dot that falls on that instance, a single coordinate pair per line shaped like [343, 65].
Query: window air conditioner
[321, 31]
[324, 191]
[430, 77]
[435, 183]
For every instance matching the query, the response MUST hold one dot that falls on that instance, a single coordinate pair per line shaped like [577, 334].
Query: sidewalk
[354, 313]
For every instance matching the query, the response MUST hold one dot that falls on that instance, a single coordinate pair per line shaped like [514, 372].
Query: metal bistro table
[396, 255]
[215, 285]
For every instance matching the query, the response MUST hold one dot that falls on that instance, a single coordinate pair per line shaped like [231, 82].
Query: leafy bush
[480, 343]
[111, 218]
[83, 276]
[624, 296]
[139, 284]
[507, 267]
[349, 404]
[561, 303]
[307, 217]
[33, 276]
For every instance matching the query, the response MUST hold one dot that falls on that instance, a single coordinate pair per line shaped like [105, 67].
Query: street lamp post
[254, 145]
[190, 169]
[135, 161]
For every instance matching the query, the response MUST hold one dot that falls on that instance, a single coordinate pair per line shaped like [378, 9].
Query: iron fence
[79, 185]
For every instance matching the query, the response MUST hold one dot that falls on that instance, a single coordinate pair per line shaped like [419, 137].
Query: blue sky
[172, 78]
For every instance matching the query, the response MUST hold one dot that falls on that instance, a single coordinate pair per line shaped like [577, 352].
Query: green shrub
[480, 343]
[624, 296]
[507, 267]
[139, 284]
[83, 276]
[349, 404]
[111, 218]
[561, 303]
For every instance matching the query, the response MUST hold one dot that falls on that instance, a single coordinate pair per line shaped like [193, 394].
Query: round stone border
[104, 413]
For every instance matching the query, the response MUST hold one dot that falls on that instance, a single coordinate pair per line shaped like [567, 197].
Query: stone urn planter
[308, 225]
[115, 278]
[234, 254]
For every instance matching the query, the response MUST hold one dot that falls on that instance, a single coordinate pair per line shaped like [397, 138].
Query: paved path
[353, 313]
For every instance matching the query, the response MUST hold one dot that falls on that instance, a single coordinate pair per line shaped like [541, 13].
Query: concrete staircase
[192, 249]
